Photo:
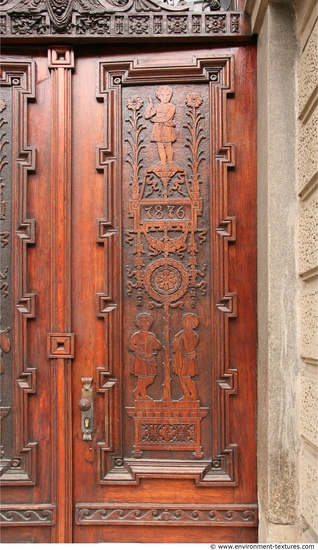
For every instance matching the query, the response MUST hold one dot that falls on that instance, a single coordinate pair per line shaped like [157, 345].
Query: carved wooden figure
[162, 117]
[144, 344]
[185, 363]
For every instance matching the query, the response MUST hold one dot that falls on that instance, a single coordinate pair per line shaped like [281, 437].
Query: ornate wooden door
[128, 330]
[163, 296]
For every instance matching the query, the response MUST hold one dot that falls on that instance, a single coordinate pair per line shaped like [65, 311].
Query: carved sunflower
[134, 103]
[194, 100]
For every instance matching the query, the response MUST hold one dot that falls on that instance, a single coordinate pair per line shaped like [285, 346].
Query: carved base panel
[167, 426]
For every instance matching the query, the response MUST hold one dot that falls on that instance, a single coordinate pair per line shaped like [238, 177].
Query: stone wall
[287, 268]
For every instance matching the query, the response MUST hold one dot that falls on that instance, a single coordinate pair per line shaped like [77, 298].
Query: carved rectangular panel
[18, 304]
[167, 224]
[29, 475]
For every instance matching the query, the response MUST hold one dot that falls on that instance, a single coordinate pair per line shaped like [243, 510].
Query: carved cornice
[122, 19]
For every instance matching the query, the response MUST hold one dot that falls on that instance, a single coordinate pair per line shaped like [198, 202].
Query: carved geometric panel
[18, 379]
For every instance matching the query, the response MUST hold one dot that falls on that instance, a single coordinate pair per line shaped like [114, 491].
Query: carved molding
[26, 305]
[26, 231]
[60, 343]
[25, 514]
[123, 18]
[149, 514]
[104, 304]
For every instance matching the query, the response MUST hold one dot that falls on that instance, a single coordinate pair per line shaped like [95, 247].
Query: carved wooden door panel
[163, 293]
[128, 293]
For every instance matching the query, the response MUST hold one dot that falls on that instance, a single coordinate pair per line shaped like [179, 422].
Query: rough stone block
[309, 490]
[309, 325]
[309, 410]
[307, 70]
[307, 151]
[308, 237]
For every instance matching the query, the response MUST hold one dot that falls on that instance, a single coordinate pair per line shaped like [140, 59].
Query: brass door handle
[86, 405]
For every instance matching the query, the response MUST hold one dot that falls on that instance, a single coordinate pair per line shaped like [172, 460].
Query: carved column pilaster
[61, 64]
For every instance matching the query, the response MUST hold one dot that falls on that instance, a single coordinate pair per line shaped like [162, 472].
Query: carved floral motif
[235, 22]
[157, 24]
[167, 433]
[177, 24]
[28, 24]
[3, 24]
[215, 23]
[97, 24]
[139, 24]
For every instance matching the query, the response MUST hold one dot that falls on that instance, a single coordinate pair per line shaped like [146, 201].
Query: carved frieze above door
[118, 19]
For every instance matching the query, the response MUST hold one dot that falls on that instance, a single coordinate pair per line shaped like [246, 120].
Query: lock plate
[86, 406]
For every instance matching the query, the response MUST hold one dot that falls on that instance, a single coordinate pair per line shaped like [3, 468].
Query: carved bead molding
[149, 514]
[18, 305]
[22, 515]
[133, 19]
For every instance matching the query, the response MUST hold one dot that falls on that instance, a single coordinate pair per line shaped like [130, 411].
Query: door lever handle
[86, 405]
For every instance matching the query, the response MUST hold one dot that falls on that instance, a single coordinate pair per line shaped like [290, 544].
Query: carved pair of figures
[145, 346]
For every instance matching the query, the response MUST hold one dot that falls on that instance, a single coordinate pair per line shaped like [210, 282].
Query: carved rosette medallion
[166, 280]
[165, 205]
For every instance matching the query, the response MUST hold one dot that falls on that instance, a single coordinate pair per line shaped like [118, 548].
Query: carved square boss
[60, 346]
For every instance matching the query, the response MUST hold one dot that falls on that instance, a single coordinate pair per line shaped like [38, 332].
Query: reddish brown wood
[104, 249]
[26, 497]
[132, 468]
[61, 348]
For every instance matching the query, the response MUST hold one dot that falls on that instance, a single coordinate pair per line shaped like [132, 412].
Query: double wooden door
[128, 331]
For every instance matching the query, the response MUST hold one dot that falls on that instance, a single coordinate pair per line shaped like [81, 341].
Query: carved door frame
[138, 21]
